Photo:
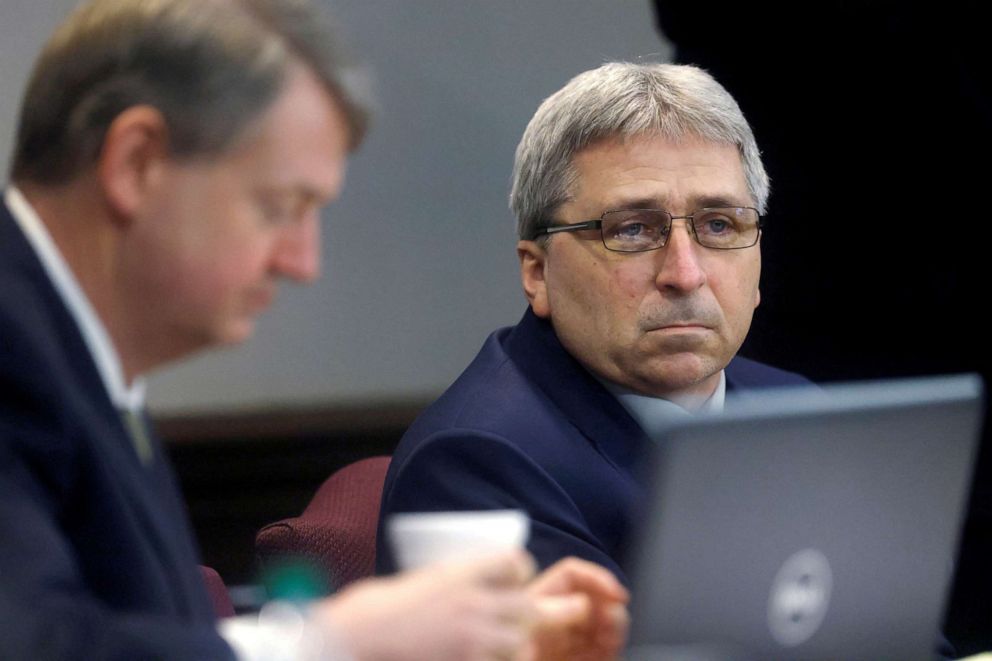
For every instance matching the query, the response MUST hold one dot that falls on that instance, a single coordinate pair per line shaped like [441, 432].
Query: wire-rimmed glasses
[637, 230]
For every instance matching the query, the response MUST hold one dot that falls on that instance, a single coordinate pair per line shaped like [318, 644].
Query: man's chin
[235, 333]
[679, 374]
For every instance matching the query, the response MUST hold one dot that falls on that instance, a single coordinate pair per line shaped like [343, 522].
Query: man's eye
[715, 225]
[274, 214]
[630, 230]
[276, 211]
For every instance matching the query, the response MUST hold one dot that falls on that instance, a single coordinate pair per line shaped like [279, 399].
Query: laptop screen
[806, 524]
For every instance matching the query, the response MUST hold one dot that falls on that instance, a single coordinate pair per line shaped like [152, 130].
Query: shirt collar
[655, 414]
[108, 362]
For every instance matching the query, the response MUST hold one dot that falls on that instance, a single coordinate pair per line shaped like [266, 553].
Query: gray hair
[209, 66]
[622, 100]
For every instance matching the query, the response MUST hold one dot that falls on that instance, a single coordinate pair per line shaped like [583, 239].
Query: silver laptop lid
[806, 524]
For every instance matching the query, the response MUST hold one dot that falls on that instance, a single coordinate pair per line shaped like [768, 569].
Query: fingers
[562, 611]
[494, 625]
[488, 624]
[467, 611]
[576, 575]
[611, 631]
[510, 607]
[497, 643]
[582, 607]
[607, 627]
[506, 570]
[599, 638]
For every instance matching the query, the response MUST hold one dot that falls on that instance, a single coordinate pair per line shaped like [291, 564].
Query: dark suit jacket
[526, 426]
[96, 556]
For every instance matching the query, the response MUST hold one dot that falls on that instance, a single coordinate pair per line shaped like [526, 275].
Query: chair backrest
[336, 531]
[219, 596]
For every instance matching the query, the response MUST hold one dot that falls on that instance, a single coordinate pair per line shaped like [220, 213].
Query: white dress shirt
[655, 414]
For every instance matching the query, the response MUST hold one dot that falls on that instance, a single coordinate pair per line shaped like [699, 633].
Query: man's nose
[297, 253]
[679, 267]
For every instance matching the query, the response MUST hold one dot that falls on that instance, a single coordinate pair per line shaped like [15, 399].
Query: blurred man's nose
[297, 254]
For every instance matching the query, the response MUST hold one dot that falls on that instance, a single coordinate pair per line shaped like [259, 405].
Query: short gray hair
[621, 100]
[209, 66]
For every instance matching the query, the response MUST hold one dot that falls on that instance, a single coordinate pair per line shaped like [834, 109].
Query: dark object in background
[875, 120]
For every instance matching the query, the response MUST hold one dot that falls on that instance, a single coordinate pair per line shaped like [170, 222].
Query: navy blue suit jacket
[97, 560]
[526, 426]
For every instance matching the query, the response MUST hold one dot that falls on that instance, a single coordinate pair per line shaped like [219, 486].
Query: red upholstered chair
[219, 596]
[336, 531]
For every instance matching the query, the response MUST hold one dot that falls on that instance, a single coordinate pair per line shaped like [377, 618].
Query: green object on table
[295, 580]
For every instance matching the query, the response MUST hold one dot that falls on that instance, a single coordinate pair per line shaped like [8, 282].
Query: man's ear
[135, 147]
[533, 259]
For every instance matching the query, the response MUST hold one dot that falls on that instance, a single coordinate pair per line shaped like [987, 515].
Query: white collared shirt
[655, 414]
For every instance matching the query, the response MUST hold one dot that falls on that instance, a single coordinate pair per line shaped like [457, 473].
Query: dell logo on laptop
[799, 597]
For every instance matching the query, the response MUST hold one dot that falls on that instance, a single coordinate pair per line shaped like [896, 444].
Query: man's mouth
[681, 326]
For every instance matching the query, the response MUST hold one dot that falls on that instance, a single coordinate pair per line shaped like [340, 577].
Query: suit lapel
[535, 349]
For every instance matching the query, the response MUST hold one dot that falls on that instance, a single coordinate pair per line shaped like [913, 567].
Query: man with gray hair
[172, 160]
[639, 192]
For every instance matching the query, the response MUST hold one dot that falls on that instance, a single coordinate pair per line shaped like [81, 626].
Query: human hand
[460, 611]
[582, 613]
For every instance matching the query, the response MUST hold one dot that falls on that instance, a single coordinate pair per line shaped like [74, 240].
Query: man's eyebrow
[633, 203]
[697, 202]
[720, 200]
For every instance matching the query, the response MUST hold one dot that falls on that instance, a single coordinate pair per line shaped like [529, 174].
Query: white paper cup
[420, 539]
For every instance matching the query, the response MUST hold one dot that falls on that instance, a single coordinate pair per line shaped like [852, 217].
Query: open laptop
[806, 524]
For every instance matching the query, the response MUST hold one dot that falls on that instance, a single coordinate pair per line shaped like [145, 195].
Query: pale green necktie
[134, 422]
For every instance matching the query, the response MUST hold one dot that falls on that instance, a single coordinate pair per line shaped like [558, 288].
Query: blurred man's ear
[533, 259]
[135, 148]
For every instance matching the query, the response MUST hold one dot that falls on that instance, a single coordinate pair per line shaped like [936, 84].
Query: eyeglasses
[637, 230]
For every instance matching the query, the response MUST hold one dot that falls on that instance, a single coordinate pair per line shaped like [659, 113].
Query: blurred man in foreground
[171, 163]
[638, 191]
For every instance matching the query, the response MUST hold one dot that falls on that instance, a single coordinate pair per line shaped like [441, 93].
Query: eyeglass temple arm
[572, 227]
